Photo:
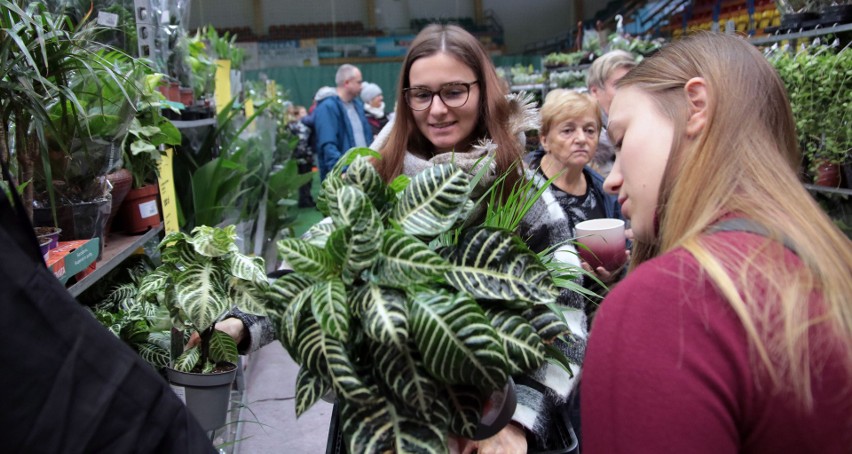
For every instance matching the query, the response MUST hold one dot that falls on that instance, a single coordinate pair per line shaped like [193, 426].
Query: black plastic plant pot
[499, 412]
[78, 221]
[206, 395]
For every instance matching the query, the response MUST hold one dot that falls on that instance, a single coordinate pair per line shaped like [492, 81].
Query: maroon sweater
[668, 370]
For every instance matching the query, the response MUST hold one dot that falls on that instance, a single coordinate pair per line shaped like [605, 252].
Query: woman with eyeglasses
[452, 107]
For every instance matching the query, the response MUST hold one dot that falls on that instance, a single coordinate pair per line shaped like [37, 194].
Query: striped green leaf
[318, 233]
[432, 201]
[364, 176]
[172, 245]
[327, 357]
[405, 260]
[356, 243]
[307, 346]
[223, 347]
[405, 377]
[328, 303]
[200, 294]
[547, 324]
[247, 268]
[291, 320]
[494, 264]
[384, 315]
[187, 361]
[214, 242]
[153, 283]
[327, 198]
[284, 290]
[306, 258]
[248, 297]
[465, 404]
[378, 426]
[154, 355]
[456, 340]
[522, 344]
[309, 389]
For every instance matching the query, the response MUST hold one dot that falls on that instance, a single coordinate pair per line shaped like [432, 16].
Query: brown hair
[494, 109]
[745, 162]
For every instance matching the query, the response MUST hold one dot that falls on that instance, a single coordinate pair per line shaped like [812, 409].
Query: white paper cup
[605, 241]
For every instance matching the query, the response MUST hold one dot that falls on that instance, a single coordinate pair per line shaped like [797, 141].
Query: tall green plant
[411, 335]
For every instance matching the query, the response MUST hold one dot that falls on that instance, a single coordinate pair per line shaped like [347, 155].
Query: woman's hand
[233, 327]
[604, 275]
[510, 440]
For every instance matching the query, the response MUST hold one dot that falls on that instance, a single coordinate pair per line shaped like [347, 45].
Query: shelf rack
[801, 34]
[118, 248]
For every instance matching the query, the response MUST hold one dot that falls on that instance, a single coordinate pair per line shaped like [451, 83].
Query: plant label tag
[107, 19]
[180, 391]
[148, 209]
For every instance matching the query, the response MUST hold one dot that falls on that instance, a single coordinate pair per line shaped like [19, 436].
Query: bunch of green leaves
[819, 86]
[558, 59]
[201, 66]
[142, 325]
[148, 130]
[412, 334]
[202, 277]
[225, 46]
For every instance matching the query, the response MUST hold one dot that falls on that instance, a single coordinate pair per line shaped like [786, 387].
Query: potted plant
[819, 86]
[410, 319]
[149, 131]
[201, 279]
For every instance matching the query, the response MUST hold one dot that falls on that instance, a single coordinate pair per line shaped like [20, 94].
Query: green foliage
[819, 86]
[224, 46]
[203, 276]
[411, 334]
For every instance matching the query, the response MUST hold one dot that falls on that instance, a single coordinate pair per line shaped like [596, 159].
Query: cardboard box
[72, 257]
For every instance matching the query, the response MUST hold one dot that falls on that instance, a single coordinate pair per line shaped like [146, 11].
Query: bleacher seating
[319, 30]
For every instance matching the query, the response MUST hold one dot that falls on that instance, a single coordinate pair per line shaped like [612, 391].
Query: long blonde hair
[745, 163]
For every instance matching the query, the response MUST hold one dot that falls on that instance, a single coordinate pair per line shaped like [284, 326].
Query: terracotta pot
[140, 210]
[121, 182]
[827, 174]
[186, 96]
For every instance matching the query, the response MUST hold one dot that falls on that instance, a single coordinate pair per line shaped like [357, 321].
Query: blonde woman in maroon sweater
[733, 330]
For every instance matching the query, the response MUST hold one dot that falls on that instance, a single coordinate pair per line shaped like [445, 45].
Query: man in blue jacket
[339, 121]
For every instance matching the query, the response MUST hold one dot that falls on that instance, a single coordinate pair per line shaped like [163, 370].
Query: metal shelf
[116, 250]
[194, 123]
[802, 34]
[827, 189]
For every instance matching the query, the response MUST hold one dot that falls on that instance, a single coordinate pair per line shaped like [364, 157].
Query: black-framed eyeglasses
[452, 95]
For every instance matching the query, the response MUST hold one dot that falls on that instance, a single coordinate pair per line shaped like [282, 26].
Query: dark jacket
[334, 135]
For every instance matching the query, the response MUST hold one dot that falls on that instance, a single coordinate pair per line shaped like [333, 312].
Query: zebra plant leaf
[521, 342]
[327, 199]
[378, 426]
[432, 201]
[466, 404]
[547, 324]
[456, 340]
[306, 258]
[153, 283]
[223, 348]
[154, 355]
[356, 243]
[172, 245]
[405, 377]
[327, 357]
[309, 389]
[405, 260]
[328, 303]
[318, 234]
[291, 319]
[248, 297]
[187, 361]
[200, 294]
[364, 176]
[214, 242]
[494, 264]
[384, 315]
[247, 268]
[307, 346]
[284, 290]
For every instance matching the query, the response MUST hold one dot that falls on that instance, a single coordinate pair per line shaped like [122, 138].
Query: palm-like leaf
[494, 264]
[457, 342]
[432, 201]
[378, 426]
[329, 307]
[309, 389]
[405, 260]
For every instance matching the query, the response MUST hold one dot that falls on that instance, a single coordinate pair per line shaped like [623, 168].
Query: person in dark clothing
[374, 107]
[303, 153]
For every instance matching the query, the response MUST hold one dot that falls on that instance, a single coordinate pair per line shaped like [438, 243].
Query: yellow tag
[249, 105]
[223, 84]
[167, 192]
[271, 91]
